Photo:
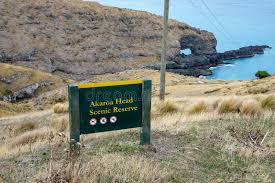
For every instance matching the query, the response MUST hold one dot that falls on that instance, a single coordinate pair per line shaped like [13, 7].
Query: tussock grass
[164, 108]
[229, 106]
[268, 102]
[30, 137]
[109, 168]
[24, 127]
[60, 108]
[198, 108]
[60, 124]
[168, 107]
[216, 103]
[251, 107]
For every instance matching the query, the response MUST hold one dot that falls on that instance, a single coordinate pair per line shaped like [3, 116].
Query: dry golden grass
[229, 106]
[60, 108]
[168, 107]
[216, 103]
[30, 138]
[25, 77]
[24, 127]
[197, 108]
[268, 102]
[163, 108]
[60, 124]
[108, 168]
[251, 107]
[7, 108]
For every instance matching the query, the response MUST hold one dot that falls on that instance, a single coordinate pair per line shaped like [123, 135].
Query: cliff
[79, 39]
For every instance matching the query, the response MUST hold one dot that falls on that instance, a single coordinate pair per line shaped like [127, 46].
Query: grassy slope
[24, 77]
[200, 150]
[202, 146]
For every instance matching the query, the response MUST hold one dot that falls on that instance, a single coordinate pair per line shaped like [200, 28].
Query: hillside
[206, 131]
[20, 83]
[79, 39]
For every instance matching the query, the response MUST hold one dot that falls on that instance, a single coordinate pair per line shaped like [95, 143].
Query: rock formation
[198, 64]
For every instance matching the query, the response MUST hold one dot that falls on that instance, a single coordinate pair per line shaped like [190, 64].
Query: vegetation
[60, 108]
[198, 108]
[197, 137]
[24, 127]
[231, 105]
[262, 74]
[60, 124]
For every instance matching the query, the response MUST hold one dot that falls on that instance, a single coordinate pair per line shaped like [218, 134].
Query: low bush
[262, 74]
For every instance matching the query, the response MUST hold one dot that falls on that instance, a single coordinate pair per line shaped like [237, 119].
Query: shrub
[198, 108]
[262, 74]
[60, 108]
[251, 107]
[60, 124]
[229, 106]
[268, 102]
[24, 127]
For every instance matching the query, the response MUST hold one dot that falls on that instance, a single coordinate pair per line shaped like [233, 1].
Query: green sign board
[102, 107]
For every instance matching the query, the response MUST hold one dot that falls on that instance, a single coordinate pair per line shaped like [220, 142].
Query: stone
[26, 92]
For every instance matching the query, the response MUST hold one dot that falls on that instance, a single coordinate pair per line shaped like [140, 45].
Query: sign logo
[93, 122]
[113, 119]
[103, 121]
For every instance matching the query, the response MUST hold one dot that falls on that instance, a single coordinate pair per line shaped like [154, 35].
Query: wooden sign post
[109, 106]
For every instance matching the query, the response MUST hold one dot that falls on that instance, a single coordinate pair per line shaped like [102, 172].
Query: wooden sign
[109, 106]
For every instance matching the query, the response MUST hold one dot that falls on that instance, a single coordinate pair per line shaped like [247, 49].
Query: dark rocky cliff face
[79, 38]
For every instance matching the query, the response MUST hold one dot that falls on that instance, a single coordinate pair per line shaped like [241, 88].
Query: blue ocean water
[235, 23]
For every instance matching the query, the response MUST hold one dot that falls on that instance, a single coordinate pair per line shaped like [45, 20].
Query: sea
[235, 23]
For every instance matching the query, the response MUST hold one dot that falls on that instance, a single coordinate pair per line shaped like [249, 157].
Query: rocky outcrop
[80, 38]
[198, 64]
[26, 92]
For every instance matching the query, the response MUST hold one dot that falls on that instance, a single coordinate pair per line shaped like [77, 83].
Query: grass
[163, 108]
[24, 127]
[60, 108]
[206, 146]
[60, 124]
[229, 106]
[268, 102]
[251, 107]
[205, 149]
[198, 108]
[109, 168]
[25, 77]
[7, 108]
[30, 137]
